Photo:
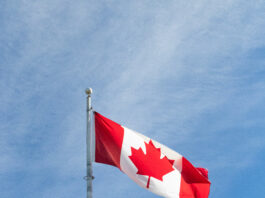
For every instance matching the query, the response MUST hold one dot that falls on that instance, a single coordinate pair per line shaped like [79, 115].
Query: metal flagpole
[89, 176]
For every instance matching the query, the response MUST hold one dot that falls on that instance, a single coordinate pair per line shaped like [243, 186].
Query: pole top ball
[89, 91]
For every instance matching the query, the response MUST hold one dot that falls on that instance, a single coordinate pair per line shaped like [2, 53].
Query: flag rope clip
[88, 178]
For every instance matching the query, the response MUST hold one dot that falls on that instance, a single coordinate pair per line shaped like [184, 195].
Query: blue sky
[190, 74]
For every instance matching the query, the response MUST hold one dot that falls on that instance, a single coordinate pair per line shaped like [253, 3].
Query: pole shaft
[89, 142]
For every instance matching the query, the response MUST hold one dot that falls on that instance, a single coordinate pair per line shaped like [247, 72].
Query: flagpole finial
[89, 91]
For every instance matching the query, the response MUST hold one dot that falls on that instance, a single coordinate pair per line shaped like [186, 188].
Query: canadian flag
[150, 164]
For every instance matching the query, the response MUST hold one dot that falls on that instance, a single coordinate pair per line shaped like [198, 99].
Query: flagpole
[89, 176]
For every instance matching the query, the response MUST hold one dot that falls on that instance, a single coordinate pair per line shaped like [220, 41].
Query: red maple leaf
[150, 164]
